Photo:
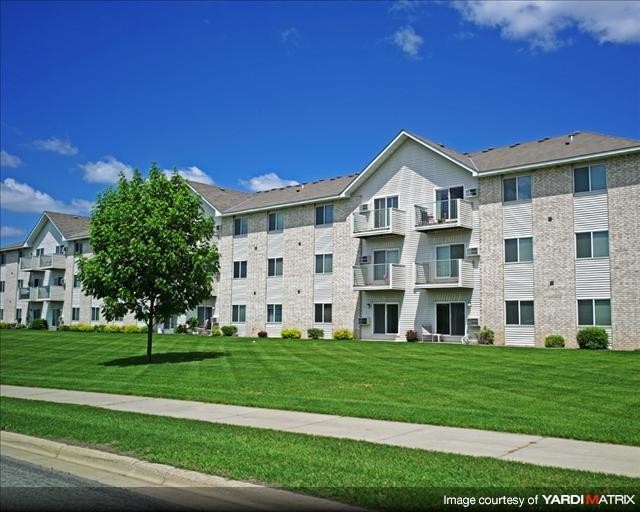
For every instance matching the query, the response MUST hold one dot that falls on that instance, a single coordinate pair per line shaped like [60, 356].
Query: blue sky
[252, 95]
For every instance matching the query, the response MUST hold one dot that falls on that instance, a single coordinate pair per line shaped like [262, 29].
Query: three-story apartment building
[531, 239]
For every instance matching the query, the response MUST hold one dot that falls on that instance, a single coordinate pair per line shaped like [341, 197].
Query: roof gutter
[550, 163]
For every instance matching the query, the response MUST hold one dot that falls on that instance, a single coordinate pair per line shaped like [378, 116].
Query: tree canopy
[153, 252]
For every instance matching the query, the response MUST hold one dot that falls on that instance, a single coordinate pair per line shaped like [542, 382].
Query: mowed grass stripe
[565, 393]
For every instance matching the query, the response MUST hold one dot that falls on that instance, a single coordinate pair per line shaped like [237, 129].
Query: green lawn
[590, 395]
[372, 475]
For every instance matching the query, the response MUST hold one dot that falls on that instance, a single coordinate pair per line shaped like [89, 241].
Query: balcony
[379, 276]
[384, 221]
[454, 213]
[43, 262]
[444, 274]
[43, 293]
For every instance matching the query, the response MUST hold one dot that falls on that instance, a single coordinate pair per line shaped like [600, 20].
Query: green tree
[153, 251]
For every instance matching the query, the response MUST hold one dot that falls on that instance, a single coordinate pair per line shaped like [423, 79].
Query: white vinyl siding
[593, 278]
[518, 281]
[519, 335]
[322, 287]
[517, 220]
[591, 212]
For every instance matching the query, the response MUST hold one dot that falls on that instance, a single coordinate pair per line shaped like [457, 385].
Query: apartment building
[532, 239]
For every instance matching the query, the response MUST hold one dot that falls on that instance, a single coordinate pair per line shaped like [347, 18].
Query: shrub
[262, 334]
[39, 324]
[343, 334]
[315, 334]
[192, 322]
[293, 334]
[84, 328]
[133, 329]
[4, 325]
[99, 328]
[554, 341]
[594, 338]
[411, 335]
[64, 328]
[113, 328]
[486, 336]
[229, 330]
[20, 326]
[216, 331]
[180, 329]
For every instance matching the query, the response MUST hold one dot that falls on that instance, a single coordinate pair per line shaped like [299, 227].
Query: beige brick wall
[624, 244]
[225, 248]
[10, 295]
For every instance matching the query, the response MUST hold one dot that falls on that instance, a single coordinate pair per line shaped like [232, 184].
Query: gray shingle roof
[294, 193]
[452, 153]
[221, 198]
[71, 226]
[12, 247]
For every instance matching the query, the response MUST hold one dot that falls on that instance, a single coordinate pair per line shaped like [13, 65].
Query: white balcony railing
[383, 221]
[54, 293]
[43, 261]
[444, 214]
[445, 274]
[379, 276]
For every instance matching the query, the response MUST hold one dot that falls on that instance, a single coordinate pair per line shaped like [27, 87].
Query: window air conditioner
[471, 192]
[473, 251]
[364, 260]
[363, 321]
[364, 208]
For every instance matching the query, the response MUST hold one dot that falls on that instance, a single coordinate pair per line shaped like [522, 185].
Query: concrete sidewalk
[542, 451]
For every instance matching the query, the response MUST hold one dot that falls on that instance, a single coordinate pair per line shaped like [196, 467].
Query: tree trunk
[150, 332]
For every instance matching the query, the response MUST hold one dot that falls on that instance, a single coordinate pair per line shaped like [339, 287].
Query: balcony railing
[53, 293]
[43, 261]
[383, 221]
[453, 213]
[379, 276]
[445, 274]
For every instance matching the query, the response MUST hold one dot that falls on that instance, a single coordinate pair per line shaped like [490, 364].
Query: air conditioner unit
[471, 192]
[364, 208]
[363, 260]
[473, 251]
[218, 228]
[363, 321]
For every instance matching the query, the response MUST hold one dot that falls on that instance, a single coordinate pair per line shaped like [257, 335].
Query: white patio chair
[427, 330]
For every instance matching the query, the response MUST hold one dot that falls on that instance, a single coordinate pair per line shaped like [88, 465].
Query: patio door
[385, 318]
[204, 313]
[55, 317]
[447, 256]
[382, 210]
[381, 261]
[450, 318]
[446, 206]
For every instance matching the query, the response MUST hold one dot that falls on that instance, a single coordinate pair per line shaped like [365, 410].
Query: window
[59, 249]
[323, 313]
[204, 313]
[274, 313]
[171, 322]
[119, 318]
[324, 214]
[276, 221]
[519, 312]
[239, 269]
[3, 259]
[20, 283]
[447, 260]
[518, 250]
[76, 281]
[40, 252]
[274, 267]
[19, 315]
[238, 314]
[447, 203]
[1, 314]
[324, 263]
[75, 314]
[594, 312]
[1, 286]
[78, 248]
[594, 244]
[590, 178]
[240, 226]
[95, 314]
[516, 189]
[58, 281]
[382, 210]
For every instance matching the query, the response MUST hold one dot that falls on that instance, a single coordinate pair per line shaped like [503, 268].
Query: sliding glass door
[450, 318]
[385, 318]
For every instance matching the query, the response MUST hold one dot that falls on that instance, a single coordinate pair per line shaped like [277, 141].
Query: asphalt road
[25, 486]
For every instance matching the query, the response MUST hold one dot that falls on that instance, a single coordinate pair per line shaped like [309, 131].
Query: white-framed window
[20, 284]
[19, 315]
[75, 314]
[594, 312]
[58, 281]
[324, 214]
[274, 313]
[385, 318]
[589, 178]
[78, 248]
[95, 314]
[3, 259]
[324, 263]
[518, 249]
[275, 222]
[59, 249]
[274, 267]
[517, 188]
[240, 226]
[40, 251]
[239, 269]
[592, 244]
[382, 207]
[239, 313]
[323, 313]
[2, 286]
[120, 318]
[519, 312]
[76, 281]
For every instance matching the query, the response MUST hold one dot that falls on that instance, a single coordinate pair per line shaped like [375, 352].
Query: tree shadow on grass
[165, 357]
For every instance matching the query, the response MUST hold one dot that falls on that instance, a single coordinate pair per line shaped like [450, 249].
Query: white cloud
[62, 147]
[290, 36]
[267, 182]
[192, 173]
[408, 41]
[8, 160]
[10, 231]
[105, 170]
[22, 198]
[404, 6]
[540, 22]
